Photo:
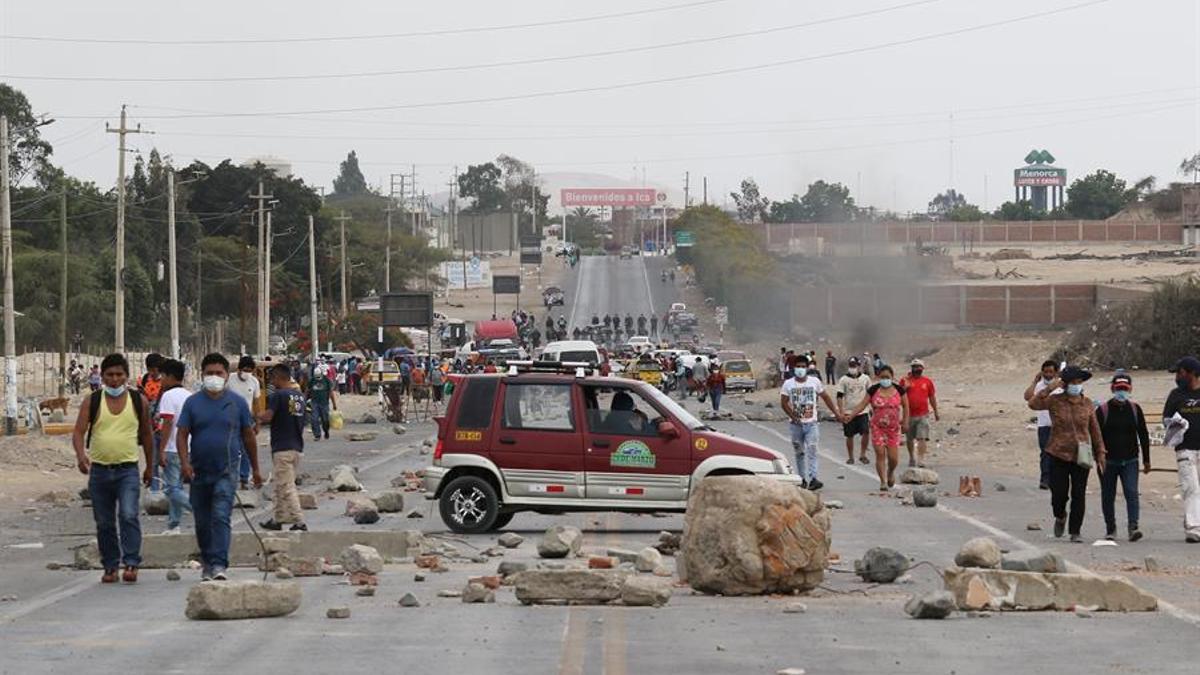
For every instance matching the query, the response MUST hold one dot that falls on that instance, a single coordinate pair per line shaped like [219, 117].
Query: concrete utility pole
[267, 284]
[387, 252]
[10, 333]
[62, 296]
[687, 187]
[261, 333]
[171, 263]
[119, 318]
[312, 289]
[345, 276]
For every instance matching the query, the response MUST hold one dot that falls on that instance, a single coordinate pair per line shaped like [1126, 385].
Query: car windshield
[677, 411]
[737, 367]
[584, 356]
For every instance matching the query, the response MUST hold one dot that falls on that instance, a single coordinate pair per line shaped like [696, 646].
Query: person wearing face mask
[1184, 400]
[1044, 377]
[1124, 428]
[1073, 427]
[112, 423]
[798, 398]
[852, 390]
[245, 384]
[889, 415]
[214, 429]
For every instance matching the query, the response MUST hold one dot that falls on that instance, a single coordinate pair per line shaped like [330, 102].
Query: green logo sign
[635, 454]
[684, 238]
[1039, 157]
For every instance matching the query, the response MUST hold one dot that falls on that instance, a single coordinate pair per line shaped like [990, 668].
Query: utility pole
[312, 289]
[706, 191]
[412, 189]
[10, 333]
[687, 187]
[62, 296]
[345, 296]
[119, 318]
[261, 342]
[171, 263]
[387, 253]
[267, 284]
[454, 226]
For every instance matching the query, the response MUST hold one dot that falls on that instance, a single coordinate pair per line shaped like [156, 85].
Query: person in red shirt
[922, 398]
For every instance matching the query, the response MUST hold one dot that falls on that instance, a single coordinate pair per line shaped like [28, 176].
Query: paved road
[65, 621]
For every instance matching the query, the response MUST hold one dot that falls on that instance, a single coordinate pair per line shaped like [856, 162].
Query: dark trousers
[116, 492]
[1068, 480]
[1127, 473]
[1044, 438]
[829, 379]
[212, 509]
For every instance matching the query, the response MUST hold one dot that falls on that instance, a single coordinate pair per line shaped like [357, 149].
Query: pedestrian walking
[1123, 427]
[716, 386]
[798, 398]
[1075, 445]
[682, 377]
[700, 377]
[320, 396]
[1184, 401]
[1044, 377]
[215, 428]
[245, 384]
[850, 392]
[170, 405]
[889, 415]
[922, 400]
[94, 378]
[150, 384]
[830, 367]
[877, 364]
[284, 413]
[112, 424]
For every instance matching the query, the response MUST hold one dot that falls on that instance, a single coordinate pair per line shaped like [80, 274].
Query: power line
[380, 36]
[479, 66]
[640, 83]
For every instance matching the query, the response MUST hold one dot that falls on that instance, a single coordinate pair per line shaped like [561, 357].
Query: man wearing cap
[1184, 400]
[1073, 426]
[922, 398]
[1124, 429]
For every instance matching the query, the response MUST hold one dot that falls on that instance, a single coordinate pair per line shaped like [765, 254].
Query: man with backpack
[111, 424]
[1124, 428]
[285, 415]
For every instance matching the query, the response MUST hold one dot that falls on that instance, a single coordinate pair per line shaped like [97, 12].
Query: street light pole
[171, 264]
[312, 288]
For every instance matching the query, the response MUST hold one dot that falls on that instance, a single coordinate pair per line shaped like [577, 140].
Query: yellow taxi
[739, 375]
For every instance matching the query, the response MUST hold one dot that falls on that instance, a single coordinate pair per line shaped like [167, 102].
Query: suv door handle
[508, 440]
[601, 444]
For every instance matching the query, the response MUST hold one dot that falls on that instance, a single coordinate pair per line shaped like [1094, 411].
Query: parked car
[639, 344]
[626, 253]
[374, 374]
[550, 441]
[575, 351]
[739, 375]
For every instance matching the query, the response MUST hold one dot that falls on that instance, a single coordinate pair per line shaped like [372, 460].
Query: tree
[1190, 165]
[828, 203]
[350, 180]
[952, 205]
[791, 211]
[29, 154]
[481, 184]
[1022, 210]
[752, 207]
[1096, 196]
[583, 228]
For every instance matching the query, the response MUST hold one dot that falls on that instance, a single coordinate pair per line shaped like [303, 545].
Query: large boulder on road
[978, 552]
[560, 541]
[746, 535]
[344, 479]
[917, 476]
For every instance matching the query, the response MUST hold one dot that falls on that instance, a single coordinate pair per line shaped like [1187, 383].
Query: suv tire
[469, 505]
[502, 520]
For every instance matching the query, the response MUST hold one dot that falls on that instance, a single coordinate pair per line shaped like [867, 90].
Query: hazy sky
[1112, 84]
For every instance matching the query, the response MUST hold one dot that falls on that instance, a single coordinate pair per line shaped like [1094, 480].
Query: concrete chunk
[643, 591]
[934, 605]
[595, 587]
[359, 558]
[221, 600]
[560, 541]
[918, 476]
[1034, 560]
[976, 589]
[344, 479]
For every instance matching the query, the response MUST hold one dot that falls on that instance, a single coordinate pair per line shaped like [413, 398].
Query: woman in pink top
[889, 414]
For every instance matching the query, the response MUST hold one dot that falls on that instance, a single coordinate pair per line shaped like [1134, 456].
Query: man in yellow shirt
[112, 423]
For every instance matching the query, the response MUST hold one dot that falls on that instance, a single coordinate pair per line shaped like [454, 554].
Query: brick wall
[988, 233]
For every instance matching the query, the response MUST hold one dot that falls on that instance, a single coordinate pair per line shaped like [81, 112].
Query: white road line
[578, 286]
[1173, 610]
[73, 587]
[649, 293]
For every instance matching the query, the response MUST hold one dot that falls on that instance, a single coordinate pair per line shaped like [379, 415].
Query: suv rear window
[475, 408]
[586, 356]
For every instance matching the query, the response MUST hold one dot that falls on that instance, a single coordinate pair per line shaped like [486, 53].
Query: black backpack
[94, 412]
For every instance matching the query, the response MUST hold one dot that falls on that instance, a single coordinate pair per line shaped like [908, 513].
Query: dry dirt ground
[1126, 273]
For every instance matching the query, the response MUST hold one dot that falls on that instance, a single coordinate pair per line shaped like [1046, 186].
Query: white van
[572, 350]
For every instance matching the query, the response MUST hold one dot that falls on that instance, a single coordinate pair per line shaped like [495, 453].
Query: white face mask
[214, 383]
[853, 372]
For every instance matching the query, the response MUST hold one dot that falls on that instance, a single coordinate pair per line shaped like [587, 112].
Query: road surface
[67, 622]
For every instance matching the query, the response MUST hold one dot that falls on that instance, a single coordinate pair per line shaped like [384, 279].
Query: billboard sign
[1039, 176]
[475, 273]
[643, 197]
[531, 249]
[506, 284]
[407, 310]
[684, 239]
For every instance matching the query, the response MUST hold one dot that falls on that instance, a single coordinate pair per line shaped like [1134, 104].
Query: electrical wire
[478, 66]
[636, 83]
[380, 36]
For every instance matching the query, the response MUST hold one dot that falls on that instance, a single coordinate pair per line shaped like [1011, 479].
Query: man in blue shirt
[214, 428]
[285, 415]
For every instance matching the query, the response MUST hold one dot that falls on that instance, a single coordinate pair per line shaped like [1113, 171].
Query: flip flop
[864, 460]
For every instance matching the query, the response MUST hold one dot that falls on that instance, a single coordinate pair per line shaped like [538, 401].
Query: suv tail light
[438, 450]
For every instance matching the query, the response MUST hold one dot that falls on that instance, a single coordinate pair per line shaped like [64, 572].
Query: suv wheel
[469, 505]
[502, 520]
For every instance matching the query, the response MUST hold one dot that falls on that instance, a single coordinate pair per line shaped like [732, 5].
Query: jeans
[1125, 471]
[116, 495]
[1044, 438]
[716, 398]
[320, 419]
[1068, 480]
[804, 443]
[212, 508]
[177, 498]
[156, 479]
[244, 468]
[829, 378]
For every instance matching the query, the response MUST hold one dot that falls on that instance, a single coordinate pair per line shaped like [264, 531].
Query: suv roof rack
[577, 368]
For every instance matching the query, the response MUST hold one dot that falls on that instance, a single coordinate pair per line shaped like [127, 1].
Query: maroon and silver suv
[550, 438]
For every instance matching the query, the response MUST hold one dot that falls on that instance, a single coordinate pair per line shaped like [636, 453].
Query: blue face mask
[800, 373]
[1121, 395]
[885, 382]
[1074, 389]
[114, 391]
